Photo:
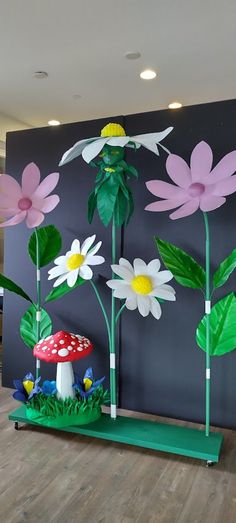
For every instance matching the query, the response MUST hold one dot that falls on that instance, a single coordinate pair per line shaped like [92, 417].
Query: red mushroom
[63, 348]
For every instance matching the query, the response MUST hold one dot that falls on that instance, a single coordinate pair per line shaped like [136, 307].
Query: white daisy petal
[155, 308]
[131, 303]
[140, 266]
[93, 149]
[75, 247]
[145, 142]
[60, 280]
[117, 284]
[159, 292]
[162, 277]
[56, 271]
[85, 272]
[123, 272]
[76, 150]
[144, 304]
[59, 260]
[123, 292]
[95, 248]
[125, 263]
[72, 277]
[119, 141]
[154, 266]
[94, 260]
[87, 244]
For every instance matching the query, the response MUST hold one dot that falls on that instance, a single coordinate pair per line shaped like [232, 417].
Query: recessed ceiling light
[54, 122]
[40, 75]
[148, 74]
[77, 96]
[133, 55]
[175, 105]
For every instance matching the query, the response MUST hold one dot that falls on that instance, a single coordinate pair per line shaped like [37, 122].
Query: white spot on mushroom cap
[55, 345]
[62, 342]
[80, 349]
[69, 347]
[54, 351]
[63, 353]
[44, 348]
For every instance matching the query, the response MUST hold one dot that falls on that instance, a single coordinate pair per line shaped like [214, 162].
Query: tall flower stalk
[38, 303]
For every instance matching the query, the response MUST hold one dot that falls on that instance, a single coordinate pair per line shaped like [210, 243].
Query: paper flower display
[76, 262]
[87, 385]
[113, 134]
[49, 388]
[30, 201]
[26, 388]
[197, 186]
[63, 348]
[141, 285]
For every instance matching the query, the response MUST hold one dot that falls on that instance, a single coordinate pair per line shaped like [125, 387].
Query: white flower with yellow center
[141, 284]
[76, 262]
[114, 134]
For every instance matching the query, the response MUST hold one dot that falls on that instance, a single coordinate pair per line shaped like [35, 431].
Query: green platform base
[148, 434]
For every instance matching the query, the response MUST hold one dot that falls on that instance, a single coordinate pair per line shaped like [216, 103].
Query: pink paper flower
[196, 186]
[30, 201]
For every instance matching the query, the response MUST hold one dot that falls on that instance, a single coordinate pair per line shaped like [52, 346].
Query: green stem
[208, 340]
[38, 304]
[102, 309]
[120, 312]
[113, 392]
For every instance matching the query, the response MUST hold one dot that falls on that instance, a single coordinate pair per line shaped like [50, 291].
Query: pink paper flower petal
[225, 187]
[48, 204]
[210, 203]
[166, 205]
[10, 186]
[6, 200]
[30, 179]
[34, 218]
[201, 162]
[186, 209]
[225, 168]
[47, 185]
[178, 171]
[164, 190]
[18, 218]
[9, 212]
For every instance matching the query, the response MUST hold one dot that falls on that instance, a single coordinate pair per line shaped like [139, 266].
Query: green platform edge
[143, 433]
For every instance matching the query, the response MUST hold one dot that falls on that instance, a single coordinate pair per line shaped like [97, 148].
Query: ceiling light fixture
[133, 55]
[40, 75]
[148, 74]
[54, 122]
[175, 105]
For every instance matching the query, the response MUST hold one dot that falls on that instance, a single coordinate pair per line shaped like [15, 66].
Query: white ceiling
[82, 46]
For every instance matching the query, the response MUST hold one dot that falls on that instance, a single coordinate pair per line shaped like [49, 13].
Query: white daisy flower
[76, 262]
[141, 284]
[114, 134]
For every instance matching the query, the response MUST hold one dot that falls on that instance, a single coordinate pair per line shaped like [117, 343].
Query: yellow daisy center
[142, 284]
[87, 384]
[113, 129]
[74, 261]
[28, 386]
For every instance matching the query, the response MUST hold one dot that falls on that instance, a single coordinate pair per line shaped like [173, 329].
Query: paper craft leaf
[106, 199]
[224, 270]
[222, 327]
[92, 203]
[184, 268]
[28, 326]
[63, 289]
[8, 284]
[49, 245]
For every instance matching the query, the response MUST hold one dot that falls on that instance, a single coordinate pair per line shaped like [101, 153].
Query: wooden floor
[55, 477]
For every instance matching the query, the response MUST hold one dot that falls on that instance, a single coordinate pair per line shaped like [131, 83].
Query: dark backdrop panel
[161, 367]
[78, 311]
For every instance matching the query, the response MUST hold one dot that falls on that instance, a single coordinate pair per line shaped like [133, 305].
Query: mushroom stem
[65, 380]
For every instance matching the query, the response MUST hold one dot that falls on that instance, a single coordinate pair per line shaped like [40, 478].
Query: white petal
[95, 248]
[60, 280]
[93, 149]
[72, 277]
[163, 293]
[56, 271]
[123, 292]
[153, 266]
[144, 305]
[152, 137]
[145, 142]
[94, 260]
[119, 141]
[85, 272]
[125, 263]
[87, 244]
[155, 308]
[117, 284]
[123, 272]
[60, 260]
[140, 267]
[75, 247]
[131, 303]
[76, 150]
[162, 277]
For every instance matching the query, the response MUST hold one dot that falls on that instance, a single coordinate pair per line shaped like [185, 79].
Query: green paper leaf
[63, 289]
[106, 199]
[224, 270]
[121, 208]
[92, 203]
[184, 268]
[49, 245]
[28, 326]
[8, 284]
[222, 327]
[131, 170]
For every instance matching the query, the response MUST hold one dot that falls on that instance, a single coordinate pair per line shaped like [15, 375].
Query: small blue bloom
[49, 388]
[87, 385]
[26, 388]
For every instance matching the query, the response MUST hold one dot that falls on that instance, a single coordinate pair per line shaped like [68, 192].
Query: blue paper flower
[49, 388]
[26, 388]
[87, 385]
